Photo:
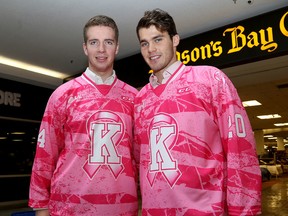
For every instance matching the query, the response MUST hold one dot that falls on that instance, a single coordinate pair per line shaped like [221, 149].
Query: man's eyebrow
[93, 39]
[141, 41]
[109, 39]
[155, 37]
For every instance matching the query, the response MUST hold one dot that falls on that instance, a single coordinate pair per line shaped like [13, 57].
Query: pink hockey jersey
[197, 153]
[83, 163]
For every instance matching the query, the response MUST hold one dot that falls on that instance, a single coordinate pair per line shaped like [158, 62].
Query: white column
[280, 144]
[259, 138]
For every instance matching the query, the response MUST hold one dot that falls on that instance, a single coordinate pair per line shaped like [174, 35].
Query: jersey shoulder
[127, 87]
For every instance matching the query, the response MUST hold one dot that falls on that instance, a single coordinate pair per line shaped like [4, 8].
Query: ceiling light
[269, 135]
[32, 68]
[17, 133]
[271, 116]
[281, 124]
[17, 140]
[251, 103]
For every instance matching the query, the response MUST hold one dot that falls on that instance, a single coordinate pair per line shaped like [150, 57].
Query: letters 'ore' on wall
[21, 110]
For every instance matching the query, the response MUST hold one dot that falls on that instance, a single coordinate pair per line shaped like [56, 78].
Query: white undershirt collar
[166, 74]
[97, 79]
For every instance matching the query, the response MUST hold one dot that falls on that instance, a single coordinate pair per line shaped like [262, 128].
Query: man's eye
[144, 44]
[109, 43]
[157, 40]
[93, 43]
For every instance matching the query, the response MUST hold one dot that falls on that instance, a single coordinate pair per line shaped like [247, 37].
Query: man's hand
[42, 212]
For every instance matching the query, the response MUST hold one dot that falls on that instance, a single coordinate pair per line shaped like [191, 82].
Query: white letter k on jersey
[163, 136]
[106, 132]
[104, 150]
[160, 155]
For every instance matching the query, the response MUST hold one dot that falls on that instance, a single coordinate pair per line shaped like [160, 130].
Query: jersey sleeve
[49, 146]
[243, 186]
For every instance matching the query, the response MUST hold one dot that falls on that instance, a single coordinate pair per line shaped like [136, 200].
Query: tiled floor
[274, 198]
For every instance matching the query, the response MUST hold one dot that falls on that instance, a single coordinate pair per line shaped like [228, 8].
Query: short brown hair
[100, 20]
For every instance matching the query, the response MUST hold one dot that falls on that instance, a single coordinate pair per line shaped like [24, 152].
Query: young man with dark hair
[195, 146]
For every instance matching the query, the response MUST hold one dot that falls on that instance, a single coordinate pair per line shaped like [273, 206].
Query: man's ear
[176, 40]
[85, 48]
[117, 49]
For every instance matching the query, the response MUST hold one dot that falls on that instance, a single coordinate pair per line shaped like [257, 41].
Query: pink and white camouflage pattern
[196, 150]
[83, 163]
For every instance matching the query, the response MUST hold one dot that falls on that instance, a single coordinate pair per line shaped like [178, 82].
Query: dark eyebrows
[142, 41]
[155, 37]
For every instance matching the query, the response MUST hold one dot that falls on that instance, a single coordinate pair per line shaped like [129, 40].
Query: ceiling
[49, 34]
